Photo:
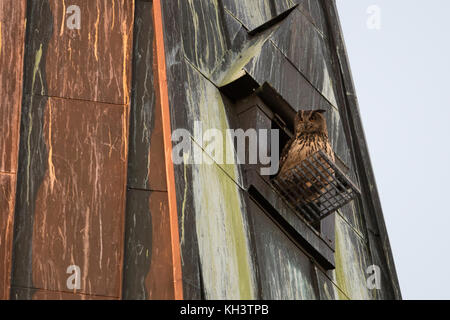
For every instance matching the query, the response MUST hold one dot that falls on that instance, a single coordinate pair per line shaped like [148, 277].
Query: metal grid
[316, 188]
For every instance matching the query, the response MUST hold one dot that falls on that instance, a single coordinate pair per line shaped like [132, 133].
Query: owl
[311, 135]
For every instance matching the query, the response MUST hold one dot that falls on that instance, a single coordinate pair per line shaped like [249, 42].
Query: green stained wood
[222, 233]
[352, 259]
[220, 223]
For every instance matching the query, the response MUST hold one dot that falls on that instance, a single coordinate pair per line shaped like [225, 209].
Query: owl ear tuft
[321, 111]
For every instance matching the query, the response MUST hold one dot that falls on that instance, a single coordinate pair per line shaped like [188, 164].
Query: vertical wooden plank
[12, 39]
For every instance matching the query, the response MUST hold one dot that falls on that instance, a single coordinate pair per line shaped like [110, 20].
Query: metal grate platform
[316, 188]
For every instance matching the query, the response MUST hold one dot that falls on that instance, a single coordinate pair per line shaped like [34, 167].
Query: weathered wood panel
[91, 63]
[208, 198]
[222, 229]
[285, 78]
[285, 271]
[306, 49]
[203, 33]
[148, 264]
[352, 260]
[71, 195]
[12, 34]
[146, 163]
[313, 10]
[255, 13]
[328, 290]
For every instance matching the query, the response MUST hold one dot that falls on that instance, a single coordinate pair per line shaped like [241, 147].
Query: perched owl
[311, 135]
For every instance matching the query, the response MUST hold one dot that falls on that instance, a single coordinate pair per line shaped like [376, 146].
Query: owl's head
[311, 121]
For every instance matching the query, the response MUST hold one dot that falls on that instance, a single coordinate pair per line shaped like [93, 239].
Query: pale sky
[401, 73]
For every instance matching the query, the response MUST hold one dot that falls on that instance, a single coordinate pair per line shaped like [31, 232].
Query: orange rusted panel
[80, 205]
[148, 272]
[160, 277]
[89, 60]
[75, 196]
[12, 33]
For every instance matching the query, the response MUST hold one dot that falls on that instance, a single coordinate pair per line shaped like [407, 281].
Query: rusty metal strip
[170, 176]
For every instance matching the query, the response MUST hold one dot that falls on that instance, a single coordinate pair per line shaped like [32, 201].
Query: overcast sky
[402, 78]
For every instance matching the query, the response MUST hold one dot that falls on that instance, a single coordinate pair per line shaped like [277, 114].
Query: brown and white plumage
[311, 135]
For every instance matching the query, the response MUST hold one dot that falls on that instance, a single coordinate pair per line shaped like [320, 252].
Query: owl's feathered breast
[303, 147]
